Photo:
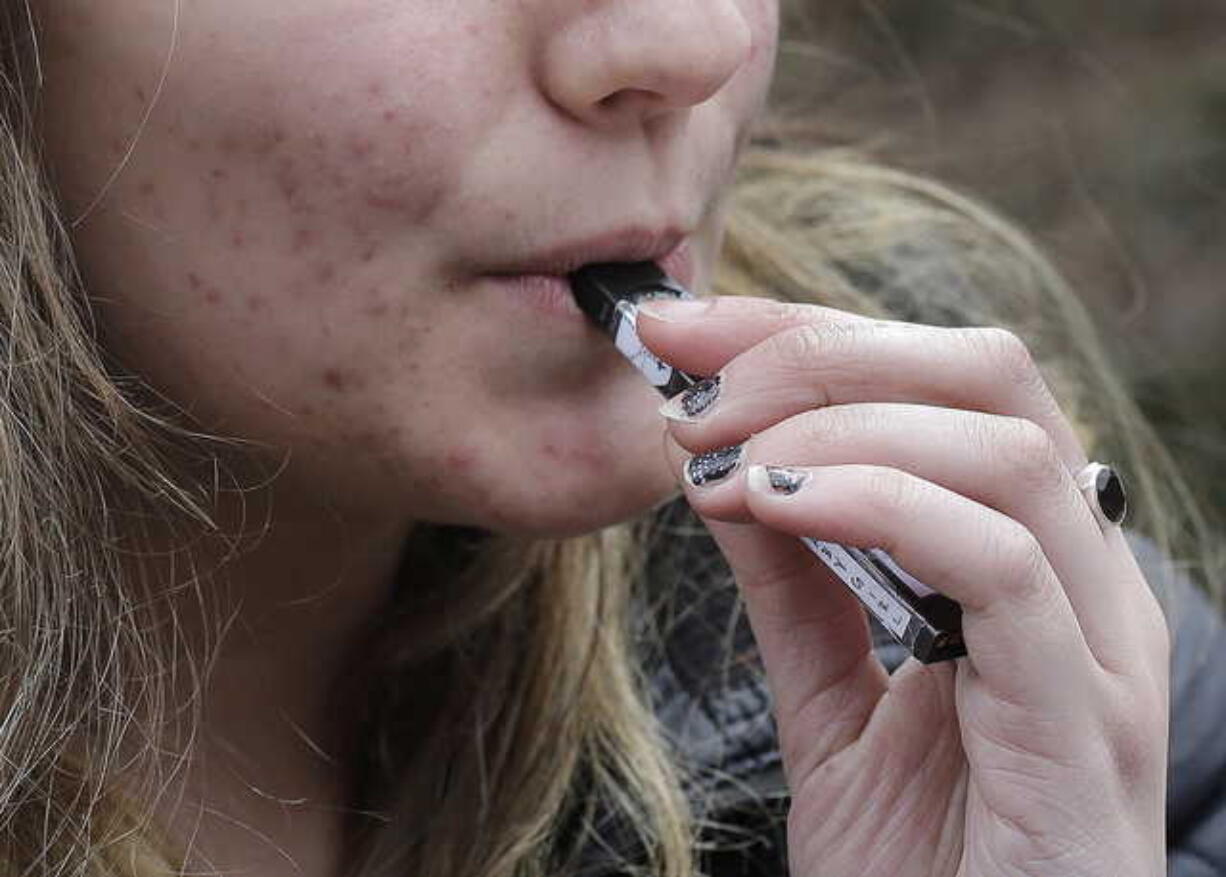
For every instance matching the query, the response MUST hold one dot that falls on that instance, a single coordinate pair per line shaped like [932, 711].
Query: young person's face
[292, 215]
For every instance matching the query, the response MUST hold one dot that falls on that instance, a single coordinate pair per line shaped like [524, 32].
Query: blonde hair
[540, 725]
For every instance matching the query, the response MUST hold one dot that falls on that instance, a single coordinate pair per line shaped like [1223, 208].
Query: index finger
[823, 356]
[728, 324]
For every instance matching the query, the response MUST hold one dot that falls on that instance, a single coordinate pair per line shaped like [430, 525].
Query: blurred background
[1099, 127]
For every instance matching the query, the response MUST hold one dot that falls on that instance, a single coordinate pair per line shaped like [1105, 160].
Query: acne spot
[375, 89]
[140, 94]
[389, 115]
[368, 254]
[193, 280]
[339, 382]
[459, 459]
[193, 144]
[286, 179]
[326, 273]
[212, 295]
[218, 173]
[361, 148]
[255, 303]
[473, 29]
[334, 380]
[147, 189]
[584, 456]
[303, 238]
[238, 240]
[378, 307]
[386, 202]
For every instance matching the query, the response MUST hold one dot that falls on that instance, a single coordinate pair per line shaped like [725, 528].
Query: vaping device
[927, 624]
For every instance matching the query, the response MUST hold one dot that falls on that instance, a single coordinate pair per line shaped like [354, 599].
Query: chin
[560, 508]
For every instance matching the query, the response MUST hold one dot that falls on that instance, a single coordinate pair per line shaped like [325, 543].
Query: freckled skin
[300, 155]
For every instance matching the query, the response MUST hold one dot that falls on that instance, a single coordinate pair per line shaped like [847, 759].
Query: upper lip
[625, 245]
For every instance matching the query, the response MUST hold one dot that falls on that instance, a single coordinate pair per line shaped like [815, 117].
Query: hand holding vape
[927, 623]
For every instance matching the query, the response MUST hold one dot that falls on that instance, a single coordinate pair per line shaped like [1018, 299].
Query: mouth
[626, 245]
[540, 281]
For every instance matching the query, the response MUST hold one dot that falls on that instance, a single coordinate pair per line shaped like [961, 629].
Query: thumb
[813, 636]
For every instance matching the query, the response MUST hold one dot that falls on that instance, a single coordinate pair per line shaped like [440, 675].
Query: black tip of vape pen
[598, 288]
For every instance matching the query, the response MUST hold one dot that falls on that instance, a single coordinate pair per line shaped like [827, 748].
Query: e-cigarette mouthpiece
[609, 294]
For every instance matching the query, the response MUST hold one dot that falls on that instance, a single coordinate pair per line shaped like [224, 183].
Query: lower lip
[550, 293]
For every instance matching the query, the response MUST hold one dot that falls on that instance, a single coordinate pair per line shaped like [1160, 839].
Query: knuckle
[796, 349]
[787, 314]
[837, 425]
[1007, 353]
[1028, 454]
[802, 348]
[1019, 556]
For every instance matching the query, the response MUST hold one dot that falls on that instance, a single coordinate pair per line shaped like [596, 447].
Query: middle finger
[1006, 463]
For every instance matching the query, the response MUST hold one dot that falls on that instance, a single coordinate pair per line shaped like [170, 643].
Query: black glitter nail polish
[713, 465]
[784, 480]
[701, 396]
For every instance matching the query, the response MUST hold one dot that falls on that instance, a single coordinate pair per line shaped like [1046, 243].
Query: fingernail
[713, 465]
[776, 479]
[671, 310]
[687, 406]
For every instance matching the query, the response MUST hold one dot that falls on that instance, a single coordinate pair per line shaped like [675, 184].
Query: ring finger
[1017, 620]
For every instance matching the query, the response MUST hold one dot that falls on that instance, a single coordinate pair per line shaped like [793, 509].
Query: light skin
[1044, 751]
[292, 235]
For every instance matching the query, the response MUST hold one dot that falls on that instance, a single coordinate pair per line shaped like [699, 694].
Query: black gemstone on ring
[1109, 489]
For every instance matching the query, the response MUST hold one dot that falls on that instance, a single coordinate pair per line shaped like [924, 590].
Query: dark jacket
[710, 695]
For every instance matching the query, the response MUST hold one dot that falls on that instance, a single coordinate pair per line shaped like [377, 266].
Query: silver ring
[1104, 491]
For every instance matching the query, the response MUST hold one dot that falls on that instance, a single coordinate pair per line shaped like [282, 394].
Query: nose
[624, 61]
